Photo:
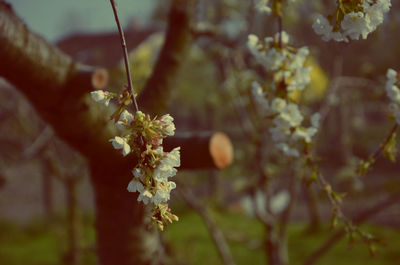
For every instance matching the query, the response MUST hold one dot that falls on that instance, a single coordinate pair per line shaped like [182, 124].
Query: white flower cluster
[287, 131]
[286, 62]
[165, 125]
[154, 166]
[366, 16]
[287, 65]
[156, 188]
[393, 92]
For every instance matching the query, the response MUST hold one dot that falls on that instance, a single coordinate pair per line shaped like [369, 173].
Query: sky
[54, 19]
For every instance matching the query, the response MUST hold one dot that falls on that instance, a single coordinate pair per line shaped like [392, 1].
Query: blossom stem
[382, 147]
[280, 29]
[126, 61]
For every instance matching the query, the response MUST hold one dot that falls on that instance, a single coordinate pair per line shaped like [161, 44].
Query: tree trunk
[121, 234]
[70, 184]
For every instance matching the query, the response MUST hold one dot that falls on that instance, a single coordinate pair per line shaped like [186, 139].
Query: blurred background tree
[46, 186]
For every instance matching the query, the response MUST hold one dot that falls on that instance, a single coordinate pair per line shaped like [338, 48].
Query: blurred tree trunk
[121, 235]
[47, 190]
[73, 253]
[312, 207]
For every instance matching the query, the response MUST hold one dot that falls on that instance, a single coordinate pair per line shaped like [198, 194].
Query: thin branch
[284, 220]
[377, 153]
[358, 219]
[39, 144]
[280, 30]
[334, 88]
[215, 232]
[125, 51]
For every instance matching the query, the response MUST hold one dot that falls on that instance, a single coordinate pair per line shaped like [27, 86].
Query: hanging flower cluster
[393, 92]
[144, 136]
[286, 62]
[353, 18]
[287, 65]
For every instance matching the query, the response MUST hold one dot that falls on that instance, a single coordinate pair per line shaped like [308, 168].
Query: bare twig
[125, 51]
[280, 29]
[39, 144]
[378, 152]
[215, 232]
[293, 189]
[338, 83]
[358, 219]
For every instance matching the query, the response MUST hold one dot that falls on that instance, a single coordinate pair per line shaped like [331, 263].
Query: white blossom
[376, 11]
[285, 36]
[100, 96]
[173, 158]
[254, 45]
[160, 192]
[259, 96]
[163, 172]
[163, 193]
[391, 76]
[138, 173]
[299, 58]
[262, 6]
[145, 196]
[355, 24]
[279, 133]
[304, 133]
[135, 185]
[315, 118]
[321, 26]
[392, 90]
[393, 93]
[278, 104]
[287, 150]
[395, 110]
[360, 20]
[120, 143]
[291, 114]
[166, 168]
[300, 79]
[168, 126]
[279, 201]
[125, 120]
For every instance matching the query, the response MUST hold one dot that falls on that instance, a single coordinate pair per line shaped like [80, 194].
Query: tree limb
[155, 94]
[56, 86]
[202, 150]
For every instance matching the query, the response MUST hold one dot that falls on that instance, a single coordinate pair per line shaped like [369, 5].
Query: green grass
[189, 241]
[192, 244]
[34, 245]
